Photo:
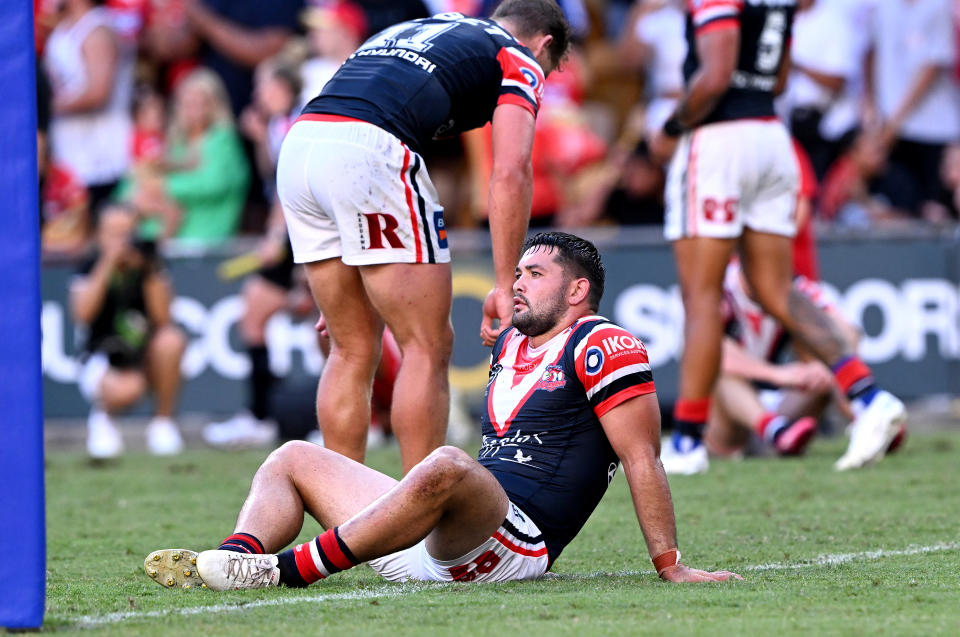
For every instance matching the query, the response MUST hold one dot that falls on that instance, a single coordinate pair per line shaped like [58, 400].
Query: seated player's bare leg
[798, 404]
[723, 436]
[768, 268]
[164, 354]
[261, 299]
[701, 263]
[448, 498]
[355, 329]
[302, 477]
[121, 388]
[415, 300]
[739, 402]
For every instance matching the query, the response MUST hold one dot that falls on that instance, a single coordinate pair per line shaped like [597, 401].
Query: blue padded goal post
[22, 523]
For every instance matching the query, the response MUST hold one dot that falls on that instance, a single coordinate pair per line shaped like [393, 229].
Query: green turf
[102, 521]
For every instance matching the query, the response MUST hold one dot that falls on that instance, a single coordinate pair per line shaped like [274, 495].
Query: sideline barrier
[904, 291]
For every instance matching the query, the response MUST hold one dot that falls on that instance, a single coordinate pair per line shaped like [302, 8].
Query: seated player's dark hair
[577, 256]
[532, 17]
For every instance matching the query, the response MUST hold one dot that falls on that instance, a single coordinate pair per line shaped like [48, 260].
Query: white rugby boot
[871, 433]
[173, 568]
[229, 570]
[103, 438]
[163, 437]
[683, 455]
[242, 431]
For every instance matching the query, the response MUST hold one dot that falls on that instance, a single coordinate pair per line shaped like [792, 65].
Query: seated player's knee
[288, 456]
[439, 472]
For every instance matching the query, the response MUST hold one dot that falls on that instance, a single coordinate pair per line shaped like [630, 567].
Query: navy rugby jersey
[542, 437]
[764, 41]
[433, 77]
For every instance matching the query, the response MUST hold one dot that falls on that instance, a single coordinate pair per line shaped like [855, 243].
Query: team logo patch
[531, 77]
[494, 372]
[553, 378]
[593, 361]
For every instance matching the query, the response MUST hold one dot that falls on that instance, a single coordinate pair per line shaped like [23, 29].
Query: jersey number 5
[770, 45]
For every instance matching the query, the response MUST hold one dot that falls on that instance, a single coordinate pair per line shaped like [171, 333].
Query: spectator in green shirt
[198, 192]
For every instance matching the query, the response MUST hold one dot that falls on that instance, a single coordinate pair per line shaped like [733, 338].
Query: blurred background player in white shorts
[732, 186]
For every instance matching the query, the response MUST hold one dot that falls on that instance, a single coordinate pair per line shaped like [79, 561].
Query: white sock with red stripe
[317, 559]
[770, 425]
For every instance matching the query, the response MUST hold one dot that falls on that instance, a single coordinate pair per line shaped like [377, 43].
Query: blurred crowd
[160, 123]
[175, 109]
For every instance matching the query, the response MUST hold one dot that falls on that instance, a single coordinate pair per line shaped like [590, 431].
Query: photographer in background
[123, 297]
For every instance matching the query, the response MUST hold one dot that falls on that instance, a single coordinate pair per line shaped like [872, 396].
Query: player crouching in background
[122, 296]
[770, 388]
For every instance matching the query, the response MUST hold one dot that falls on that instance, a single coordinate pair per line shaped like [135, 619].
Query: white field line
[404, 589]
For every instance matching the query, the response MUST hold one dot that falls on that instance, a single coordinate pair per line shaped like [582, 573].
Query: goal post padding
[22, 524]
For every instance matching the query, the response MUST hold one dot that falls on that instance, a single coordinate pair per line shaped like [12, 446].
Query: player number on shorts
[404, 36]
[720, 211]
[484, 564]
[770, 46]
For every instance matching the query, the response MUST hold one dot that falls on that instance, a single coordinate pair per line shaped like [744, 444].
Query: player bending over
[570, 397]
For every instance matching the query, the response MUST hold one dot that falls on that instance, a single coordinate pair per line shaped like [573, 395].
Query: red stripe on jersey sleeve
[623, 396]
[618, 348]
[517, 100]
[701, 10]
[517, 71]
[718, 25]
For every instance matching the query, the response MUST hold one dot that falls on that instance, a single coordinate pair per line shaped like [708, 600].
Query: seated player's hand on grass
[683, 573]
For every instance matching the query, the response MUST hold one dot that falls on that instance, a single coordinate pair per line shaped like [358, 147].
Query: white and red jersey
[542, 437]
[756, 331]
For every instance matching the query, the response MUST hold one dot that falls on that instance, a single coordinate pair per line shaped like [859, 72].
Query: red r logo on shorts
[378, 231]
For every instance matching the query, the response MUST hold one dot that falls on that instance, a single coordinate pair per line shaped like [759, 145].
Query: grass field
[865, 553]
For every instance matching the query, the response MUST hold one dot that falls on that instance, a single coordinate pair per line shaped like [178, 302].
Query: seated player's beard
[537, 321]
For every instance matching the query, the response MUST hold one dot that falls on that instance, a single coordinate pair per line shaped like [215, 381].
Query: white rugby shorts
[730, 175]
[516, 551]
[352, 190]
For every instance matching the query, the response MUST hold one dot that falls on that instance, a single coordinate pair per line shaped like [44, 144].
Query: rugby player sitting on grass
[570, 396]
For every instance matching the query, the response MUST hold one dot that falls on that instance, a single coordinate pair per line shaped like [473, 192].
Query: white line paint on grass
[843, 558]
[405, 589]
[113, 618]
